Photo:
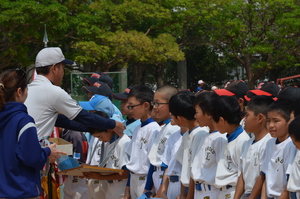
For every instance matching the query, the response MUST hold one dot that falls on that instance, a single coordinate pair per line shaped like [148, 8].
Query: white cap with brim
[98, 103]
[50, 56]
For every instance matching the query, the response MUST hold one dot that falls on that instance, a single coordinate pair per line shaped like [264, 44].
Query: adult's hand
[54, 152]
[120, 127]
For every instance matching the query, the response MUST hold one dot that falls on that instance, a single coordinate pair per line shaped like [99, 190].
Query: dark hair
[142, 93]
[282, 107]
[46, 69]
[294, 127]
[204, 101]
[259, 104]
[295, 107]
[10, 81]
[226, 107]
[94, 130]
[182, 104]
[43, 70]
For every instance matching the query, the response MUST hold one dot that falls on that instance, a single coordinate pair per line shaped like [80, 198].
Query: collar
[278, 142]
[235, 134]
[148, 121]
[193, 129]
[167, 121]
[114, 138]
[213, 131]
[130, 121]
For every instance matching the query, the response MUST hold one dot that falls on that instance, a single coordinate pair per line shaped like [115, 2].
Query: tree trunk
[249, 71]
[182, 74]
[159, 76]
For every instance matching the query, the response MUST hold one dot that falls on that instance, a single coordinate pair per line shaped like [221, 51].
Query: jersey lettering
[143, 141]
[209, 150]
[116, 160]
[162, 141]
[256, 158]
[229, 162]
[279, 160]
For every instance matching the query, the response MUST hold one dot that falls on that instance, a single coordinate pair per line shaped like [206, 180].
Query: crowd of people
[227, 143]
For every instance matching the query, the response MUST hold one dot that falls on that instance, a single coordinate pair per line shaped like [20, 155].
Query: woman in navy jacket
[21, 155]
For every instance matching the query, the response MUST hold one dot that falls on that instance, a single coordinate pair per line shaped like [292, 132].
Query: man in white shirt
[46, 99]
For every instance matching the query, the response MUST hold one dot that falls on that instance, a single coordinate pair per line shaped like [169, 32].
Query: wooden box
[63, 145]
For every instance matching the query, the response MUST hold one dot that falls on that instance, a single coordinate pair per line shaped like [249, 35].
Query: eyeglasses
[131, 107]
[23, 74]
[157, 104]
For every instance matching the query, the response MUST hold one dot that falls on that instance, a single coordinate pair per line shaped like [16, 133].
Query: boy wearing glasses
[143, 136]
[160, 111]
[130, 122]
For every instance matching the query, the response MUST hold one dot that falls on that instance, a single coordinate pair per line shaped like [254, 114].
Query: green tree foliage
[118, 32]
[22, 26]
[260, 34]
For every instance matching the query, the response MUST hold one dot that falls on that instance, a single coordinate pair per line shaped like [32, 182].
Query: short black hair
[204, 101]
[282, 107]
[182, 104]
[142, 93]
[295, 107]
[95, 130]
[294, 128]
[228, 108]
[259, 104]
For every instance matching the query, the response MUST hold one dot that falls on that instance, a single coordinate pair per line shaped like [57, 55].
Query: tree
[260, 34]
[117, 33]
[22, 28]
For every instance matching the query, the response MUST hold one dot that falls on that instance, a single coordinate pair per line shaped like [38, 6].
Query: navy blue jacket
[21, 156]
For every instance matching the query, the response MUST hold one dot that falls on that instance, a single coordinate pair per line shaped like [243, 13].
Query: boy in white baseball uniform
[161, 111]
[182, 111]
[143, 136]
[294, 168]
[115, 158]
[226, 117]
[130, 122]
[96, 151]
[280, 150]
[204, 164]
[170, 187]
[253, 151]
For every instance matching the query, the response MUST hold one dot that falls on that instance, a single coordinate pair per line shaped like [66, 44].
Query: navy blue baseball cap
[100, 88]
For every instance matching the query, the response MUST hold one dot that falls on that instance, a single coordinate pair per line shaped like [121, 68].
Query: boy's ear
[241, 102]
[147, 105]
[261, 117]
[221, 120]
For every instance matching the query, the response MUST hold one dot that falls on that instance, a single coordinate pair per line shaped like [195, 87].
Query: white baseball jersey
[117, 158]
[190, 142]
[294, 172]
[159, 144]
[139, 148]
[277, 158]
[168, 158]
[75, 188]
[227, 168]
[252, 156]
[96, 188]
[204, 164]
